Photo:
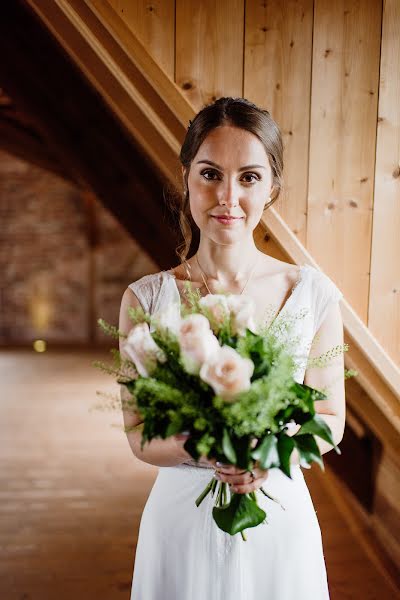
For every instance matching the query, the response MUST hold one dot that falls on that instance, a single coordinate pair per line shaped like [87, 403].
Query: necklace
[204, 276]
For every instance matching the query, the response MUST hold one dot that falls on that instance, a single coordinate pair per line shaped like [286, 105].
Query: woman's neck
[224, 264]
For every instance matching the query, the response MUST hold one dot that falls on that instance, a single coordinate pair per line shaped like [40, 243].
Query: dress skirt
[182, 555]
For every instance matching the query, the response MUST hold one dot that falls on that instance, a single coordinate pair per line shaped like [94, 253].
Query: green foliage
[254, 411]
[241, 513]
[110, 330]
[138, 315]
[324, 359]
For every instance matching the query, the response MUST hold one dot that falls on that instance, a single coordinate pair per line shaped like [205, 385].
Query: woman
[232, 171]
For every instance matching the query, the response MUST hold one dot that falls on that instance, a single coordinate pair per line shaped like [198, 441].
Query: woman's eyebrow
[213, 164]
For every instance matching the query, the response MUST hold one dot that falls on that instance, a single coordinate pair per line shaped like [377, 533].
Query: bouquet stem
[221, 502]
[210, 486]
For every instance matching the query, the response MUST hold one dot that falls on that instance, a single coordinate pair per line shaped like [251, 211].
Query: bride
[232, 171]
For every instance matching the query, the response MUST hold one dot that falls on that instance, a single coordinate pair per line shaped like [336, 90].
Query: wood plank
[209, 51]
[344, 102]
[384, 291]
[154, 25]
[278, 58]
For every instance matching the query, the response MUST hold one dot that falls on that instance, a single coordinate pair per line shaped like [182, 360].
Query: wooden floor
[72, 493]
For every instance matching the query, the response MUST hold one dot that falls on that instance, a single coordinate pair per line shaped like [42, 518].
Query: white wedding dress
[181, 553]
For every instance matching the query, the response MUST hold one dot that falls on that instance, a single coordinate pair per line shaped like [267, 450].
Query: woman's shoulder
[147, 287]
[321, 284]
[288, 272]
[145, 280]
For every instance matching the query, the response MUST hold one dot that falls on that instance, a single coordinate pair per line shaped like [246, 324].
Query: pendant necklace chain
[204, 276]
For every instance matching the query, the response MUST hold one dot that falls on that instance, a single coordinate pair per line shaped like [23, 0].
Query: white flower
[168, 318]
[197, 342]
[142, 349]
[227, 373]
[217, 305]
[242, 309]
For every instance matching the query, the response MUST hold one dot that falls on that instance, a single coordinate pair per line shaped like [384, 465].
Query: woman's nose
[229, 195]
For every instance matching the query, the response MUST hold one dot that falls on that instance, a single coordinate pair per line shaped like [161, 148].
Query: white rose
[197, 342]
[168, 318]
[142, 349]
[228, 373]
[242, 309]
[217, 305]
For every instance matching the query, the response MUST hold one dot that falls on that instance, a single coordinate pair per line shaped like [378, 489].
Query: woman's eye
[254, 175]
[210, 172]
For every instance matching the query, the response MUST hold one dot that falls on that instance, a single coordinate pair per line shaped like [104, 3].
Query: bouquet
[206, 368]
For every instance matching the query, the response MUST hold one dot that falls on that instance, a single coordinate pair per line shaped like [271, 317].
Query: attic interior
[88, 159]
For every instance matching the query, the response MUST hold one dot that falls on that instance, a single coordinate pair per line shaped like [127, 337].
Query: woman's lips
[227, 220]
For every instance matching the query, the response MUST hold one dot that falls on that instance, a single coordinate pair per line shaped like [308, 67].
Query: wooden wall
[329, 73]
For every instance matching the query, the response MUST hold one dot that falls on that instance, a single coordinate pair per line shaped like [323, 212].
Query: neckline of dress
[296, 286]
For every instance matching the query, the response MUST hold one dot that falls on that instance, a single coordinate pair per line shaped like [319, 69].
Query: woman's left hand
[241, 481]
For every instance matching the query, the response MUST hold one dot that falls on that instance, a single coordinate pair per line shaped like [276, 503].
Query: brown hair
[238, 112]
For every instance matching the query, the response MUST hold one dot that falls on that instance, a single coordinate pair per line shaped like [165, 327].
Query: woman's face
[237, 183]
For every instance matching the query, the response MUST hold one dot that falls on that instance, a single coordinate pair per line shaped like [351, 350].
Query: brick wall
[64, 259]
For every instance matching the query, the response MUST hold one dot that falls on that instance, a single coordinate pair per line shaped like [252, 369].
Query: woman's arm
[159, 452]
[332, 410]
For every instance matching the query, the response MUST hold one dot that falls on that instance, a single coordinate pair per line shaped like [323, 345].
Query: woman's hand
[240, 481]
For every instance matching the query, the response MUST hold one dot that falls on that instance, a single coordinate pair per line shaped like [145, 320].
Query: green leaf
[267, 452]
[227, 447]
[308, 449]
[317, 426]
[285, 448]
[174, 427]
[241, 513]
